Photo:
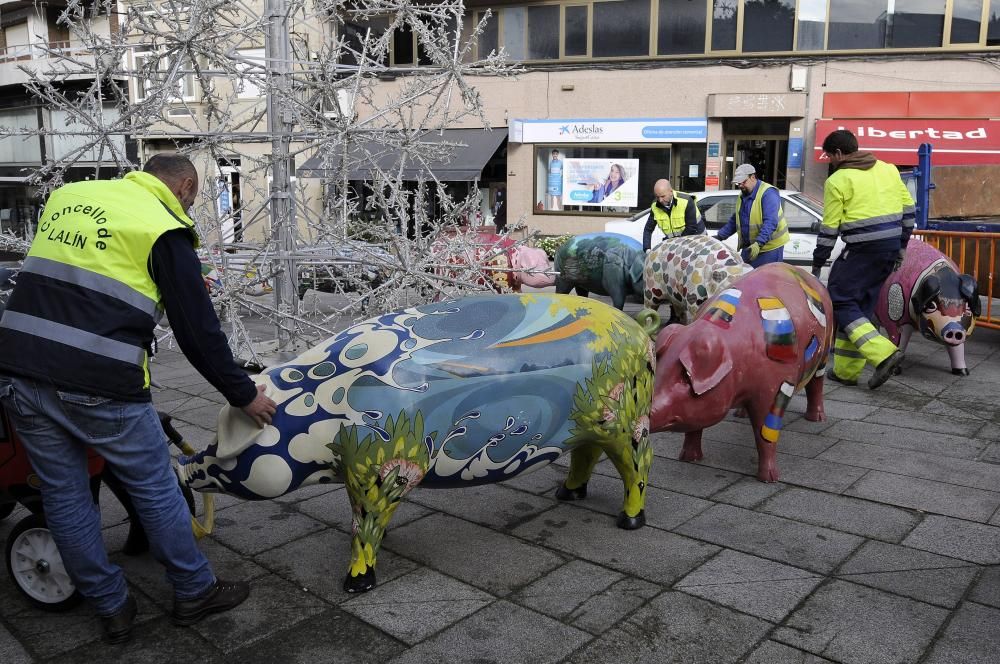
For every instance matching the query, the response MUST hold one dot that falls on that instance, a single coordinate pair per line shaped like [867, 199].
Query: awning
[465, 161]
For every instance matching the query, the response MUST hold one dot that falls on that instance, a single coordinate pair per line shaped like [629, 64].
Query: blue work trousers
[854, 284]
[56, 427]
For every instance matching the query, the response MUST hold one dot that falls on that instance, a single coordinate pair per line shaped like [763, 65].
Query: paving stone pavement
[881, 544]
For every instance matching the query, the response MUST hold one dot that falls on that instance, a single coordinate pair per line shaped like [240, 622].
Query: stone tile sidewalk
[880, 544]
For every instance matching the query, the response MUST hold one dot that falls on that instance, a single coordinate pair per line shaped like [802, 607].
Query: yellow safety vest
[85, 306]
[672, 224]
[780, 235]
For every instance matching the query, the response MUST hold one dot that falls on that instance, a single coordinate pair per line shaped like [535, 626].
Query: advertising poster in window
[601, 182]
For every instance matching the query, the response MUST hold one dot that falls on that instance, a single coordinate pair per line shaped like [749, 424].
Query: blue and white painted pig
[468, 391]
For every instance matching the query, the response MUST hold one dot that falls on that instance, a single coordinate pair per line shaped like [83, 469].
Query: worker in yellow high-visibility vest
[866, 203]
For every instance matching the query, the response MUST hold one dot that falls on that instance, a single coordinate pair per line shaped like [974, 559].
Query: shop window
[724, 15]
[966, 19]
[768, 25]
[681, 28]
[609, 180]
[575, 30]
[621, 28]
[812, 25]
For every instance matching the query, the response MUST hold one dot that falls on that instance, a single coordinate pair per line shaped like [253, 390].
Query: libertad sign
[896, 140]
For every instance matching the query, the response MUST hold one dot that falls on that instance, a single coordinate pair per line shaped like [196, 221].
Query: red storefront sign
[896, 140]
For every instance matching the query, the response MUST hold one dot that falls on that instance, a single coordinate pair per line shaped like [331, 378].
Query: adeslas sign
[896, 140]
[610, 130]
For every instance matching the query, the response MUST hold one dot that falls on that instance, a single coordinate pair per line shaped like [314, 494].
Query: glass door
[769, 155]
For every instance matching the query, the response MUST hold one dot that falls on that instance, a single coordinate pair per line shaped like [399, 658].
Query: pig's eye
[930, 307]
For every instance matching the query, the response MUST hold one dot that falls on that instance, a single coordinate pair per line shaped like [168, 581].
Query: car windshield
[807, 201]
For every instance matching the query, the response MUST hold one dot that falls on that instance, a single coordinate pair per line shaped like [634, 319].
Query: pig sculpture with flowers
[929, 293]
[752, 346]
[456, 393]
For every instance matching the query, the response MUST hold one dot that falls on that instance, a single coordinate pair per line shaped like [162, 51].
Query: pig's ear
[928, 289]
[707, 361]
[969, 288]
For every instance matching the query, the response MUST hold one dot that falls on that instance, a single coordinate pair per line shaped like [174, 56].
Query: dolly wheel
[35, 566]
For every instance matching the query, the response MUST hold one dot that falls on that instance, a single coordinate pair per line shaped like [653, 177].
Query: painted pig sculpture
[603, 263]
[456, 393]
[929, 293]
[683, 272]
[529, 265]
[751, 346]
[514, 265]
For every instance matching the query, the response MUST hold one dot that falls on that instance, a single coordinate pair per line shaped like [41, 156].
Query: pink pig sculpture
[751, 346]
[929, 293]
[534, 259]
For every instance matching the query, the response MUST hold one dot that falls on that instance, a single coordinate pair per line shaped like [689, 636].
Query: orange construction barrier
[977, 254]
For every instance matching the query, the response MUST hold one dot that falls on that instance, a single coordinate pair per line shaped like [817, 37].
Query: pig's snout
[953, 334]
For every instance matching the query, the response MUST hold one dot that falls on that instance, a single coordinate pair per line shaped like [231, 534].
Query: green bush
[550, 243]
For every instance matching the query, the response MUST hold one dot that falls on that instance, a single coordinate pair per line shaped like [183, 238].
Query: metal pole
[280, 121]
[924, 185]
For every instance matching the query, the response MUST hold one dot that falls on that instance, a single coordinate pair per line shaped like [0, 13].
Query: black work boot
[118, 627]
[222, 596]
[885, 369]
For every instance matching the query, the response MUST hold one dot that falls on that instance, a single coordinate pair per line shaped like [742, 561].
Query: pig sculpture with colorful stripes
[752, 346]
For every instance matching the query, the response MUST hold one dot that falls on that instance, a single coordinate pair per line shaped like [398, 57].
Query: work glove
[899, 260]
[817, 271]
[753, 251]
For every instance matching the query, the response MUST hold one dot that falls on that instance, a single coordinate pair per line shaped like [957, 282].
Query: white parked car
[803, 215]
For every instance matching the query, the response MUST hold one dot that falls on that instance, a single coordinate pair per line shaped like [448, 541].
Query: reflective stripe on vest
[71, 336]
[92, 280]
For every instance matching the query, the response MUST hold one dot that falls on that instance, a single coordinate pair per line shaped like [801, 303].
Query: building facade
[687, 89]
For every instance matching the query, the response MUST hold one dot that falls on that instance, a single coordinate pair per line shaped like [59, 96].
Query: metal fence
[976, 254]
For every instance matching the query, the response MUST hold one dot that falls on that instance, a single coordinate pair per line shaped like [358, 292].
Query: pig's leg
[814, 400]
[581, 464]
[376, 488]
[632, 458]
[692, 447]
[563, 286]
[905, 332]
[767, 429]
[957, 355]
